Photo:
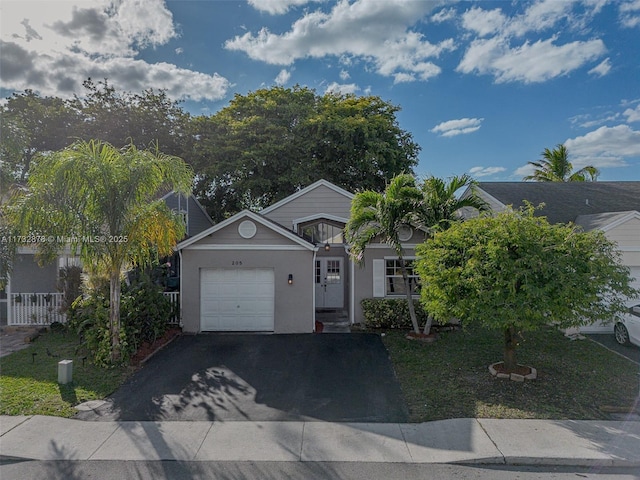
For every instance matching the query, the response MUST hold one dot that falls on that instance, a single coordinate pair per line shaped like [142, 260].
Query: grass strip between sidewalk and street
[449, 378]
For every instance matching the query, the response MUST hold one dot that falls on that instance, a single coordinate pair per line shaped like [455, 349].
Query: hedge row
[390, 313]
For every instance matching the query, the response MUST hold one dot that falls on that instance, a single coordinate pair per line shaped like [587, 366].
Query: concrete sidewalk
[471, 441]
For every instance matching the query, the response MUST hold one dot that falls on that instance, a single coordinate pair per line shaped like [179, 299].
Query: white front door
[329, 280]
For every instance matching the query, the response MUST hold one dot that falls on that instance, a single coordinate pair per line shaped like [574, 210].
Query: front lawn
[29, 383]
[450, 378]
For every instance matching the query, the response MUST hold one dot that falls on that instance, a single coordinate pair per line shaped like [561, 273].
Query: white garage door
[237, 300]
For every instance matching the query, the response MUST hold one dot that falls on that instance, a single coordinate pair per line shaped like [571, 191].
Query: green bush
[144, 313]
[390, 313]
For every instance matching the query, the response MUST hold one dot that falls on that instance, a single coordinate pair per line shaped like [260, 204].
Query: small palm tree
[106, 202]
[555, 167]
[440, 207]
[379, 216]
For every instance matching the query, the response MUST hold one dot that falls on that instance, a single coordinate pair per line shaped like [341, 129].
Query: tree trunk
[407, 289]
[114, 315]
[428, 324]
[510, 343]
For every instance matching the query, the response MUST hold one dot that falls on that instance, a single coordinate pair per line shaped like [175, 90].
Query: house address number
[236, 262]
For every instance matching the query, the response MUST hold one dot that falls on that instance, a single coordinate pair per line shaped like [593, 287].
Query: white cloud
[342, 89]
[278, 7]
[632, 114]
[485, 171]
[179, 51]
[524, 171]
[344, 75]
[604, 147]
[483, 22]
[529, 63]
[370, 30]
[498, 51]
[283, 77]
[602, 68]
[53, 48]
[443, 15]
[462, 126]
[630, 13]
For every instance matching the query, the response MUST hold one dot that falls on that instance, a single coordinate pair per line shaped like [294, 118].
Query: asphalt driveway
[337, 377]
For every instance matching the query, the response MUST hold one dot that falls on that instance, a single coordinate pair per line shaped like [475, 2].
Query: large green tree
[554, 166]
[269, 143]
[105, 203]
[515, 272]
[378, 217]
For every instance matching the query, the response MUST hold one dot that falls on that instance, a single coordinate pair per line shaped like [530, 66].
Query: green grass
[29, 383]
[450, 378]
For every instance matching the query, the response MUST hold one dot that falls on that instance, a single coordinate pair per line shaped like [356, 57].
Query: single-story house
[32, 289]
[612, 207]
[273, 270]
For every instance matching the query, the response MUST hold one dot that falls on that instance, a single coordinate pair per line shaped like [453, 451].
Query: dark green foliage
[69, 284]
[145, 313]
[390, 313]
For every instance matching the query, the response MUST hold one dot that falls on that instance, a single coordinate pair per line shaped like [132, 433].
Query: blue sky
[484, 87]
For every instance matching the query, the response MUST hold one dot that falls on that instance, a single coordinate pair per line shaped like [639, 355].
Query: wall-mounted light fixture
[290, 279]
[327, 247]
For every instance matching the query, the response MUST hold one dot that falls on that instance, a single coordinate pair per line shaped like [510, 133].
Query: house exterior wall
[197, 219]
[321, 199]
[293, 303]
[364, 274]
[29, 277]
[626, 234]
[229, 235]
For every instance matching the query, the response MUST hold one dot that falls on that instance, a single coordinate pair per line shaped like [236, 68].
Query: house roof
[566, 201]
[605, 221]
[255, 217]
[305, 190]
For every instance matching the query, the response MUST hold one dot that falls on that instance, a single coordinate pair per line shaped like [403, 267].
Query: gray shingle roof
[565, 201]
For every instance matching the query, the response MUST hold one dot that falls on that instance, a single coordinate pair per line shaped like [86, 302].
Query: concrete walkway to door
[307, 377]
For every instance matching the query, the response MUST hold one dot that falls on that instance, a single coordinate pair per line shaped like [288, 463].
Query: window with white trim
[394, 285]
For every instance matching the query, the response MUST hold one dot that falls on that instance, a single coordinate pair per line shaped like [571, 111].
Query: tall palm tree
[440, 207]
[378, 217]
[556, 167]
[106, 203]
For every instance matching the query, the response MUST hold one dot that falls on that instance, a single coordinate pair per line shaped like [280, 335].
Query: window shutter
[378, 278]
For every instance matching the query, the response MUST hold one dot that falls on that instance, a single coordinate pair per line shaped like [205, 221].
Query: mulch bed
[147, 349]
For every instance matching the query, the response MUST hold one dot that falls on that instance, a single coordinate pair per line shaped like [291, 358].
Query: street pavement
[598, 444]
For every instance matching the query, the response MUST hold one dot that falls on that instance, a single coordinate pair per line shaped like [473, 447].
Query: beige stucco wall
[229, 236]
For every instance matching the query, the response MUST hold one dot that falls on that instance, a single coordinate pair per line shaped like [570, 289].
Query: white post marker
[65, 371]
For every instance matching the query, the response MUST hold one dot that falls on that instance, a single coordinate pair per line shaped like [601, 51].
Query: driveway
[632, 352]
[337, 377]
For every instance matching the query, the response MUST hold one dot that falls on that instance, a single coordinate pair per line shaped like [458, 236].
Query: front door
[329, 280]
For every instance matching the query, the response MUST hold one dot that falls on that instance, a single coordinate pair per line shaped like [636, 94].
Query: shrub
[390, 313]
[144, 316]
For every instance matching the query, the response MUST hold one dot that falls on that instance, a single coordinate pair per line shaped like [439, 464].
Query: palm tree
[440, 207]
[106, 204]
[555, 167]
[379, 216]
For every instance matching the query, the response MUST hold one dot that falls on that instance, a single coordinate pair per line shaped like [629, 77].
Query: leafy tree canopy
[269, 143]
[516, 272]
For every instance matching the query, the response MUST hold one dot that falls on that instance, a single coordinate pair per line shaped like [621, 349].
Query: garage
[237, 300]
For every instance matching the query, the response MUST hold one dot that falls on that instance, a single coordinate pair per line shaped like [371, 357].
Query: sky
[484, 87]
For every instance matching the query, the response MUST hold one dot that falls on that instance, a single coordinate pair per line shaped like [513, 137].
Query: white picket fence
[33, 309]
[42, 309]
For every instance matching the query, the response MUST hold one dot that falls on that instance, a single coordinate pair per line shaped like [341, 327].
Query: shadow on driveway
[338, 377]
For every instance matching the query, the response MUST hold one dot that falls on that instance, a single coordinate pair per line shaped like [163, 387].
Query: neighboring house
[272, 271]
[31, 292]
[612, 207]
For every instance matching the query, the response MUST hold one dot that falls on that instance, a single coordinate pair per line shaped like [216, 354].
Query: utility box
[65, 371]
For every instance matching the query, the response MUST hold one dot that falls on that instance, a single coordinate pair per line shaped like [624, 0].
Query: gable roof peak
[319, 183]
